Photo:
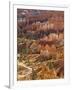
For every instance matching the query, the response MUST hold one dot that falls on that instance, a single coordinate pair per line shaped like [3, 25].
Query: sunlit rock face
[53, 36]
[61, 36]
[44, 52]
